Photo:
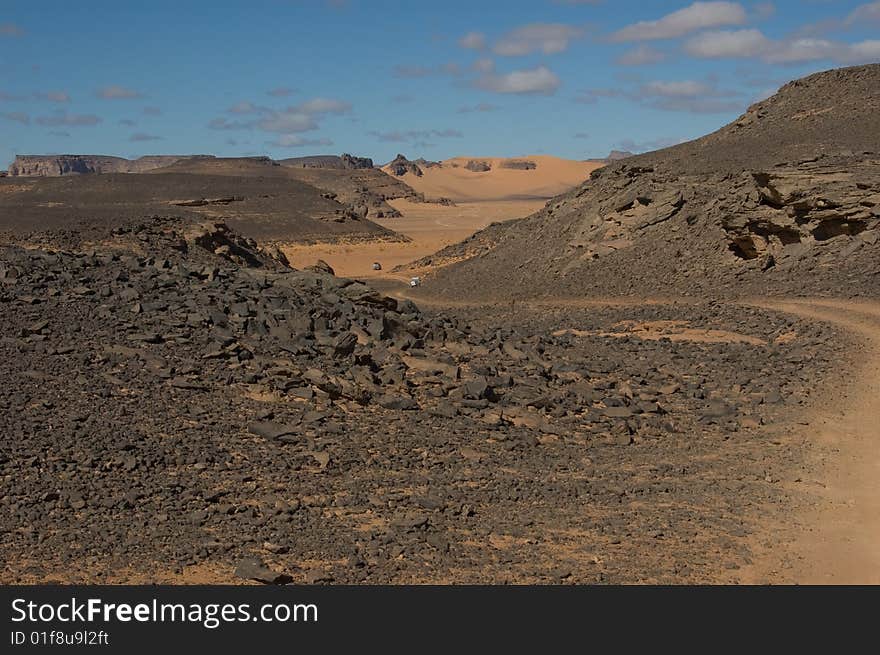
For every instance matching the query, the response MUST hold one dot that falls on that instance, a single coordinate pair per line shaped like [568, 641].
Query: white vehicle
[415, 281]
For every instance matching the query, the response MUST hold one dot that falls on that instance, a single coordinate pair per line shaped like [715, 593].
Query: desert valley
[662, 368]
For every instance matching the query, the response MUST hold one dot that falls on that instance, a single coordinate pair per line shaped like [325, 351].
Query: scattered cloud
[402, 98]
[52, 96]
[686, 88]
[416, 137]
[547, 38]
[17, 116]
[867, 14]
[152, 111]
[59, 133]
[534, 81]
[323, 106]
[141, 136]
[412, 72]
[581, 135]
[751, 43]
[484, 65]
[225, 124]
[244, 108]
[481, 107]
[292, 120]
[698, 97]
[10, 30]
[281, 92]
[631, 145]
[473, 41]
[698, 16]
[296, 141]
[416, 72]
[127, 122]
[116, 92]
[718, 44]
[70, 120]
[288, 121]
[641, 55]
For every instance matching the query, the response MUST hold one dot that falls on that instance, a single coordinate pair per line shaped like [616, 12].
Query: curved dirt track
[835, 538]
[838, 538]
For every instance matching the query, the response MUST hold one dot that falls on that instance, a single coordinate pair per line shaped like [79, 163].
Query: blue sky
[574, 78]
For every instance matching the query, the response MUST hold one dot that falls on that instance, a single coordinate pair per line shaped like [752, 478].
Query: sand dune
[550, 176]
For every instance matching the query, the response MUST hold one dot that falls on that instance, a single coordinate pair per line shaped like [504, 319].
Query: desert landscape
[653, 368]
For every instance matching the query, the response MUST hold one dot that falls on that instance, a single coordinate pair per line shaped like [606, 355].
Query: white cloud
[140, 136]
[473, 41]
[296, 141]
[323, 106]
[72, 120]
[243, 108]
[540, 80]
[735, 43]
[751, 43]
[299, 118]
[548, 38]
[698, 16]
[415, 136]
[640, 56]
[288, 121]
[867, 13]
[677, 89]
[52, 96]
[116, 92]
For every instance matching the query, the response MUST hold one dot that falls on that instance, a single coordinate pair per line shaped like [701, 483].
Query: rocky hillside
[785, 198]
[247, 195]
[57, 165]
[342, 162]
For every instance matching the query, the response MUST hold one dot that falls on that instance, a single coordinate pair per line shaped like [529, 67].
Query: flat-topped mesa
[344, 162]
[58, 165]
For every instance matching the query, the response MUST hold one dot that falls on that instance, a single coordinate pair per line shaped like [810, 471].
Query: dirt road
[837, 539]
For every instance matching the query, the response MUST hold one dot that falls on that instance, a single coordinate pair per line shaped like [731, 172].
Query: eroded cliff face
[57, 165]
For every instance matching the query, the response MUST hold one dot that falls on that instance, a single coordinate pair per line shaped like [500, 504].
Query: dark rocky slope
[180, 399]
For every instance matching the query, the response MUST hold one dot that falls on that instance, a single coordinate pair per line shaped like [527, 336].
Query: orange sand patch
[672, 330]
[430, 227]
[550, 177]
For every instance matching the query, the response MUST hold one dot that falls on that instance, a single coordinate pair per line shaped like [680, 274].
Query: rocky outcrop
[345, 162]
[478, 166]
[617, 155]
[519, 164]
[400, 166]
[57, 165]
